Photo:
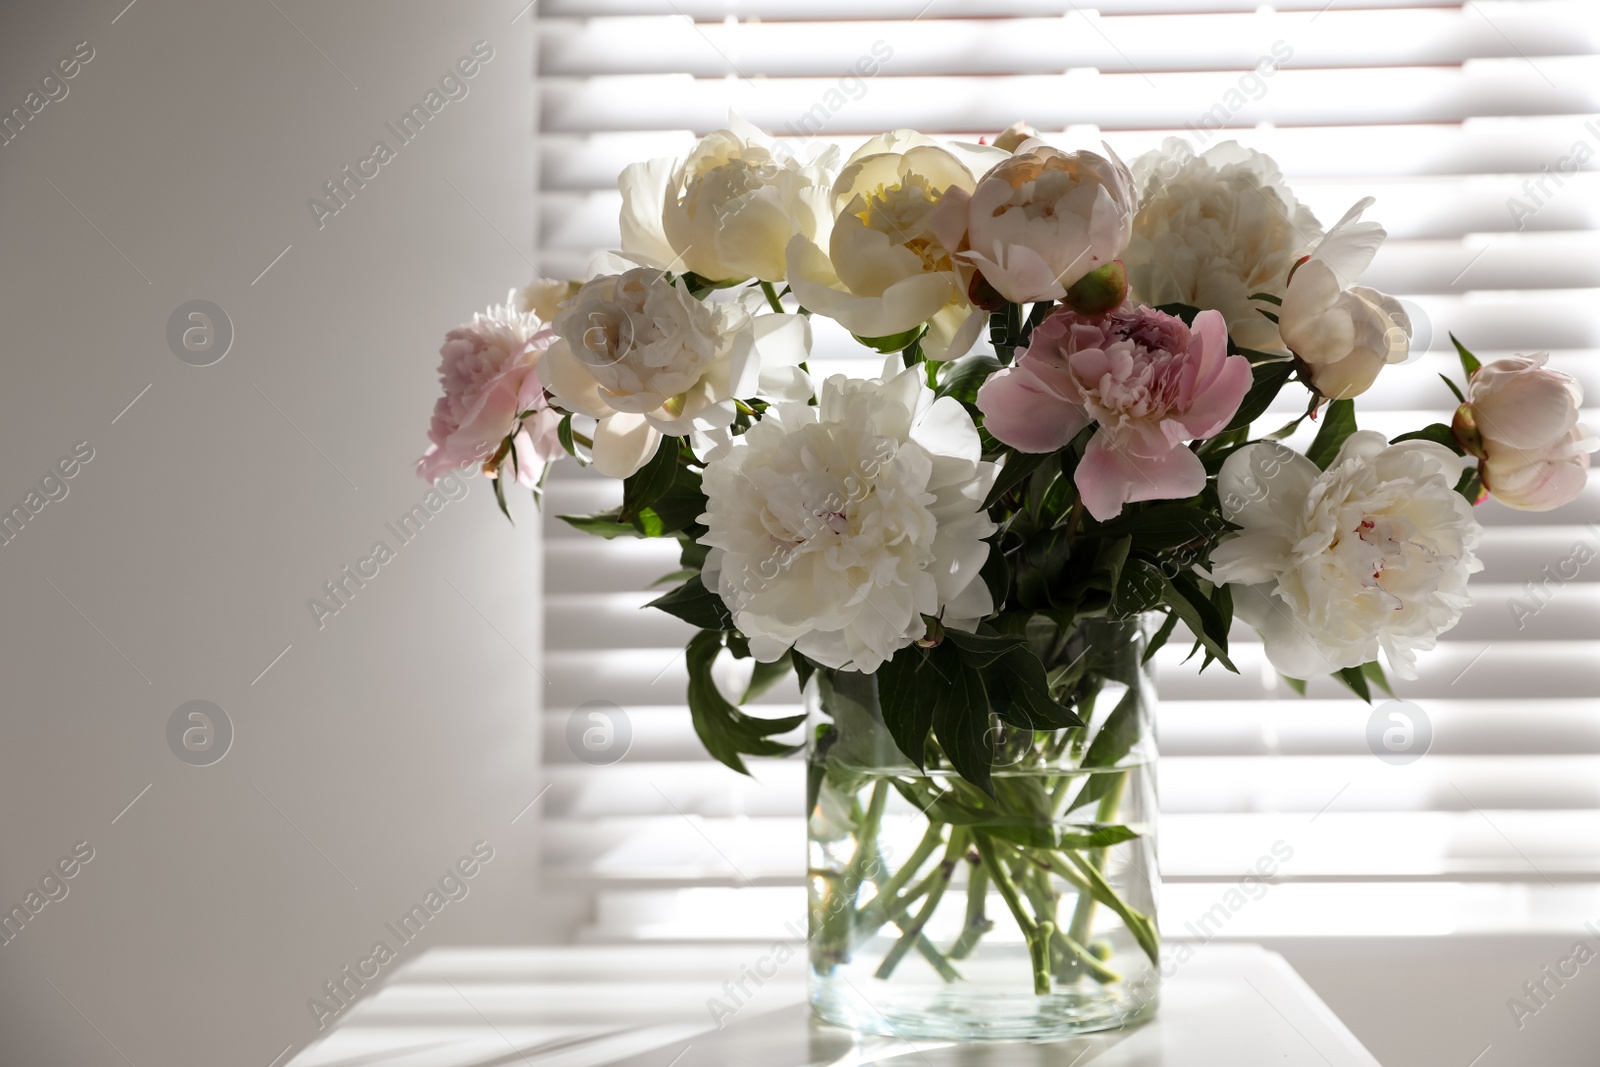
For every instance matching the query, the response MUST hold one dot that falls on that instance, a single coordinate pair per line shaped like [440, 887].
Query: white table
[645, 1006]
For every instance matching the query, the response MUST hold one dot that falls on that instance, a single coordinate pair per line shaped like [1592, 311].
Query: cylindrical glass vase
[938, 911]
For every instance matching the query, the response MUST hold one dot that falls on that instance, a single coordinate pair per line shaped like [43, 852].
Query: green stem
[772, 297]
[839, 906]
[1083, 914]
[977, 923]
[925, 948]
[912, 933]
[1138, 924]
[886, 906]
[1037, 935]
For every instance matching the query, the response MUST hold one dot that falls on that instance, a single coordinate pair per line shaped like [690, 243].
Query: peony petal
[953, 331]
[903, 305]
[566, 377]
[1264, 486]
[1289, 647]
[623, 443]
[644, 191]
[1351, 244]
[1022, 412]
[1249, 558]
[1109, 476]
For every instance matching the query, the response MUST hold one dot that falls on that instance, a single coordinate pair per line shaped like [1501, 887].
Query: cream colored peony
[1040, 220]
[886, 272]
[644, 358]
[835, 528]
[1344, 333]
[726, 212]
[1214, 229]
[1332, 566]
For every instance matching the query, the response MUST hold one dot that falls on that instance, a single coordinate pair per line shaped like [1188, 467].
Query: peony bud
[543, 297]
[1521, 421]
[1101, 290]
[1014, 135]
[1342, 334]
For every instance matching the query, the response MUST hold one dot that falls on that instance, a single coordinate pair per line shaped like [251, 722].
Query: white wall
[381, 746]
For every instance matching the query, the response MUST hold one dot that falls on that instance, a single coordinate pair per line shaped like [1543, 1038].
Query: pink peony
[488, 370]
[1150, 383]
[1521, 421]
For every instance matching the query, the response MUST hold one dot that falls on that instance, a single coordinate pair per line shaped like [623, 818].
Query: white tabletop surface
[646, 1006]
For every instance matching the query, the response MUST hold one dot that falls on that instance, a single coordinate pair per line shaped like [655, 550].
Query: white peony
[1214, 229]
[886, 271]
[644, 358]
[835, 528]
[1344, 333]
[726, 212]
[1040, 220]
[1332, 566]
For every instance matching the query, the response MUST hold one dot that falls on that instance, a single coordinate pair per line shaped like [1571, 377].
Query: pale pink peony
[1150, 383]
[1039, 221]
[1521, 421]
[488, 368]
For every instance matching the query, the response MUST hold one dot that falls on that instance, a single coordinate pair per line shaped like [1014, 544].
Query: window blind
[1475, 126]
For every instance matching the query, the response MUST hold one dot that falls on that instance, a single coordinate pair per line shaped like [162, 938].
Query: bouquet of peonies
[1062, 442]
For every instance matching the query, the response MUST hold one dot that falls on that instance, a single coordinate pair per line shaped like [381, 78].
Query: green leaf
[803, 669]
[1109, 561]
[698, 287]
[908, 687]
[961, 723]
[1162, 526]
[996, 574]
[680, 507]
[564, 435]
[1200, 615]
[1159, 638]
[1297, 684]
[1268, 297]
[895, 342]
[1355, 681]
[1138, 590]
[1469, 362]
[1437, 432]
[1266, 380]
[1037, 314]
[1186, 312]
[1017, 468]
[1454, 388]
[981, 650]
[696, 605]
[500, 498]
[1019, 693]
[1139, 925]
[817, 763]
[728, 733]
[1375, 675]
[765, 676]
[1029, 830]
[1338, 423]
[650, 482]
[1114, 740]
[1471, 486]
[602, 524]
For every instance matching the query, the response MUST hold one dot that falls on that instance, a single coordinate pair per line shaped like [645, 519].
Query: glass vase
[940, 912]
